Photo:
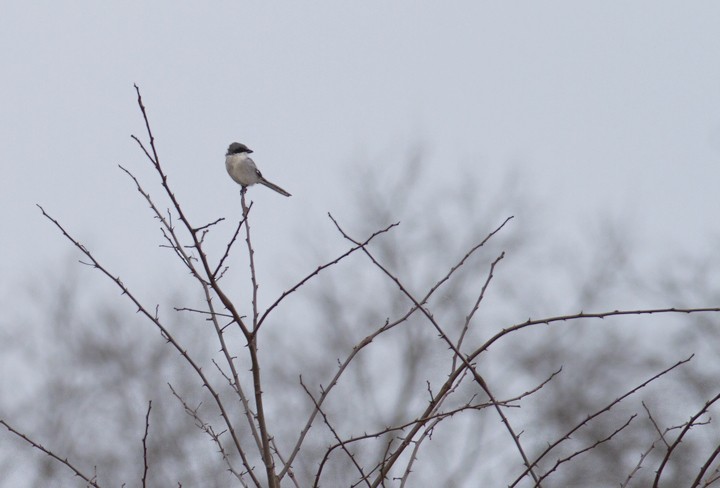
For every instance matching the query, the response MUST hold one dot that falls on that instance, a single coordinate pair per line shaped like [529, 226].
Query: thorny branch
[144, 444]
[691, 423]
[90, 481]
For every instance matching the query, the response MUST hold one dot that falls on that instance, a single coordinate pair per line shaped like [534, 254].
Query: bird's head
[237, 148]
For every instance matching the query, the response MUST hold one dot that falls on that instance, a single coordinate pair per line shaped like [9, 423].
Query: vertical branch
[267, 456]
[144, 444]
[251, 257]
[476, 306]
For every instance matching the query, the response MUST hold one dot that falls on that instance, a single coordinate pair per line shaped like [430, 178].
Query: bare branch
[655, 425]
[691, 423]
[586, 449]
[321, 268]
[597, 414]
[163, 330]
[229, 246]
[90, 481]
[144, 444]
[583, 315]
[363, 476]
[291, 473]
[207, 226]
[710, 460]
[476, 306]
[214, 436]
[268, 460]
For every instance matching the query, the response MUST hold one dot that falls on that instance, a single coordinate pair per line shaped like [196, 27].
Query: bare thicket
[423, 354]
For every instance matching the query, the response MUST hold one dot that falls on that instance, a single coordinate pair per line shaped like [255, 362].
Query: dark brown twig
[363, 476]
[144, 444]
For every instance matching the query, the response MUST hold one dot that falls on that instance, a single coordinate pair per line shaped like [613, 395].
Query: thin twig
[363, 476]
[691, 423]
[646, 453]
[321, 268]
[202, 312]
[711, 458]
[476, 306]
[715, 476]
[586, 449]
[638, 466]
[215, 437]
[657, 427]
[90, 481]
[291, 473]
[207, 226]
[583, 315]
[144, 444]
[229, 246]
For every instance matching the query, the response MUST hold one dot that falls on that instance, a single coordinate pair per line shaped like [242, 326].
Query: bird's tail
[273, 186]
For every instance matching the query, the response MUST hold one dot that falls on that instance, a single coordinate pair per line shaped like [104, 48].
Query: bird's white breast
[242, 169]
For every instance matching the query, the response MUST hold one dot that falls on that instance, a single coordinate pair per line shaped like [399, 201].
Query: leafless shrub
[408, 377]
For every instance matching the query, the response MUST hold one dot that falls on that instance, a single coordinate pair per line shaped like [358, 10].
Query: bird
[242, 169]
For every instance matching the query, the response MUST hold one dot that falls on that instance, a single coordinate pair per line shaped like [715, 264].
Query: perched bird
[242, 169]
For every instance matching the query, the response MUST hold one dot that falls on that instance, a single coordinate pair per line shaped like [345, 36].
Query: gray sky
[607, 108]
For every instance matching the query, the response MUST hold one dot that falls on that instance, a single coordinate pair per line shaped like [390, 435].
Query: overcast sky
[606, 108]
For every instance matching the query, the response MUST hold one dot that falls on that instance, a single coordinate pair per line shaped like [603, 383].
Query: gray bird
[242, 169]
